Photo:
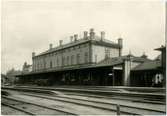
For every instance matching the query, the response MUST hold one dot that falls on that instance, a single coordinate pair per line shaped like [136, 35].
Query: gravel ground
[134, 110]
[10, 111]
[123, 102]
[78, 109]
[32, 108]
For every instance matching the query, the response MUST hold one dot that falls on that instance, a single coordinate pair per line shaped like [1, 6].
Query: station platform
[158, 90]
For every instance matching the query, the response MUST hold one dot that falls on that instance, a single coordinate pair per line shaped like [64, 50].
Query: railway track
[136, 98]
[17, 109]
[104, 92]
[32, 108]
[74, 109]
[126, 110]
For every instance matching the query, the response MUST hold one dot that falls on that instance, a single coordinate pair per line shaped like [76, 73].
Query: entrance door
[118, 77]
[110, 80]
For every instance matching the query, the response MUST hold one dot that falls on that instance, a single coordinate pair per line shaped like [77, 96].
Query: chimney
[33, 54]
[25, 63]
[85, 35]
[75, 37]
[71, 38]
[102, 35]
[92, 33]
[144, 55]
[120, 43]
[50, 46]
[60, 42]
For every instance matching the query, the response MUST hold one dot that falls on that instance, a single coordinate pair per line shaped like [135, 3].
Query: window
[67, 60]
[44, 64]
[72, 59]
[63, 61]
[107, 52]
[86, 57]
[95, 58]
[57, 61]
[50, 64]
[38, 66]
[78, 58]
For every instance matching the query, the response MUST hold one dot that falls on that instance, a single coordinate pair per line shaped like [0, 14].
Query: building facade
[90, 49]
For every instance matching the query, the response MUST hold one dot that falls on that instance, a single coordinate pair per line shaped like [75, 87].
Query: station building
[88, 50]
[151, 73]
[91, 60]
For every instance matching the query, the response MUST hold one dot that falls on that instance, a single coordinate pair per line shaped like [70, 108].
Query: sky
[31, 25]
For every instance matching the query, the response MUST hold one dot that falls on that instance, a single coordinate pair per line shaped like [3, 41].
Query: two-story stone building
[87, 50]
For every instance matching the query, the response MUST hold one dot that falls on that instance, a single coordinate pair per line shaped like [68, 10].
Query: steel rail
[105, 103]
[48, 91]
[83, 104]
[16, 108]
[148, 95]
[51, 108]
[117, 98]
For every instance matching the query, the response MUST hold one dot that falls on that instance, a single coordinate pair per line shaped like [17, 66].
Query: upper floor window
[107, 52]
[78, 58]
[38, 66]
[72, 59]
[86, 57]
[67, 60]
[44, 64]
[63, 61]
[57, 61]
[50, 64]
[95, 58]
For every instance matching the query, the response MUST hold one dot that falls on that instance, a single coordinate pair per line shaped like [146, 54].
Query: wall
[134, 64]
[127, 66]
[62, 57]
[95, 53]
[99, 52]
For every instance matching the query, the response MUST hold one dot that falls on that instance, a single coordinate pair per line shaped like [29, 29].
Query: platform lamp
[112, 75]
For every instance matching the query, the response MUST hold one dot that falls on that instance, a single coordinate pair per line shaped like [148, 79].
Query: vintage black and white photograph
[83, 57]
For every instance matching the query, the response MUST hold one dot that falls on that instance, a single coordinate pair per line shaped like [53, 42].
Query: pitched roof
[161, 48]
[158, 57]
[97, 40]
[149, 65]
[117, 60]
